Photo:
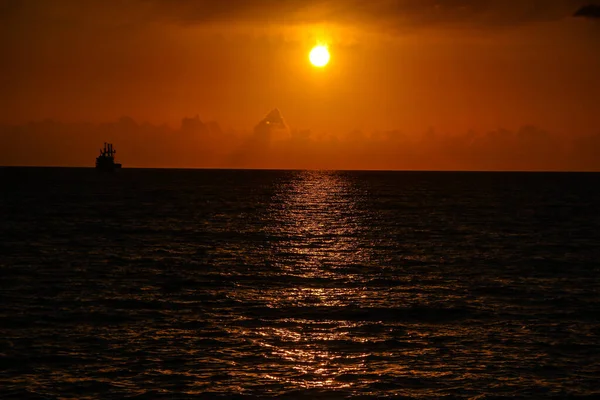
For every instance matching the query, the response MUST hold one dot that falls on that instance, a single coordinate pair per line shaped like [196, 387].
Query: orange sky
[452, 67]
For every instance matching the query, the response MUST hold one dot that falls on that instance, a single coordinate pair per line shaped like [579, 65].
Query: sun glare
[319, 56]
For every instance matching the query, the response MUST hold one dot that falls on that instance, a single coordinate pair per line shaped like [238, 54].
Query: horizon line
[316, 169]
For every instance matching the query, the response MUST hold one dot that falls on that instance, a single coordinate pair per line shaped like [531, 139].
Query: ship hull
[107, 166]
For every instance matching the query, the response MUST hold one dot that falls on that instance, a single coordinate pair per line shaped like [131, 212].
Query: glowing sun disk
[319, 56]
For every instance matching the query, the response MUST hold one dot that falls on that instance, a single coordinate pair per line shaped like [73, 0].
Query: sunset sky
[443, 68]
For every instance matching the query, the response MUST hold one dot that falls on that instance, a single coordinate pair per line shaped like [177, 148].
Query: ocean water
[183, 284]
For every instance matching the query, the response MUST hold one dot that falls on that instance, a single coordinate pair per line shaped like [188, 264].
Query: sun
[319, 56]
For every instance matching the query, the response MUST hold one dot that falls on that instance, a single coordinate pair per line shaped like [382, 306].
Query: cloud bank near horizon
[198, 144]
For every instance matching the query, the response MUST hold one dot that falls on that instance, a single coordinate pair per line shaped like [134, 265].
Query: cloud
[382, 14]
[197, 144]
[386, 16]
[378, 14]
[589, 11]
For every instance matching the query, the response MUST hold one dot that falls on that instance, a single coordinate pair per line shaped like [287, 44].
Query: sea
[244, 284]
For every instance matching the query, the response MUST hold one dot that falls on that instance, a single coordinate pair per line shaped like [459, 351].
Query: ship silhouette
[106, 160]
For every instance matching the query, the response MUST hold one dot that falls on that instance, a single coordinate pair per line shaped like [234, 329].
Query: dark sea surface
[180, 284]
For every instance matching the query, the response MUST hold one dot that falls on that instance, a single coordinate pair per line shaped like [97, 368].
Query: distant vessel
[106, 160]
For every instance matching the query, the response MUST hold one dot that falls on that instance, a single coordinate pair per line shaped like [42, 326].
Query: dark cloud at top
[588, 11]
[385, 15]
[378, 13]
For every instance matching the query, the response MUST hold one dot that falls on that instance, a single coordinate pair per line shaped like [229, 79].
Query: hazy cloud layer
[196, 144]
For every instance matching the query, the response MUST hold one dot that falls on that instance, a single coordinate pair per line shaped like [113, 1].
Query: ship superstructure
[106, 160]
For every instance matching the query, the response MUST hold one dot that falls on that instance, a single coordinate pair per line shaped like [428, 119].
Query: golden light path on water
[333, 314]
[318, 215]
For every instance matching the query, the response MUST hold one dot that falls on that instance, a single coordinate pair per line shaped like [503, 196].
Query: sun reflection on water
[319, 221]
[316, 226]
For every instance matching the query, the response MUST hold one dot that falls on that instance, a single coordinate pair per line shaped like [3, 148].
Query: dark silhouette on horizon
[106, 160]
[274, 144]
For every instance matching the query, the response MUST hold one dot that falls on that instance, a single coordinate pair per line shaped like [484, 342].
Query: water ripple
[299, 284]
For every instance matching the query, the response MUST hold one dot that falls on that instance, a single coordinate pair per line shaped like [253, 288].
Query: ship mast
[106, 159]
